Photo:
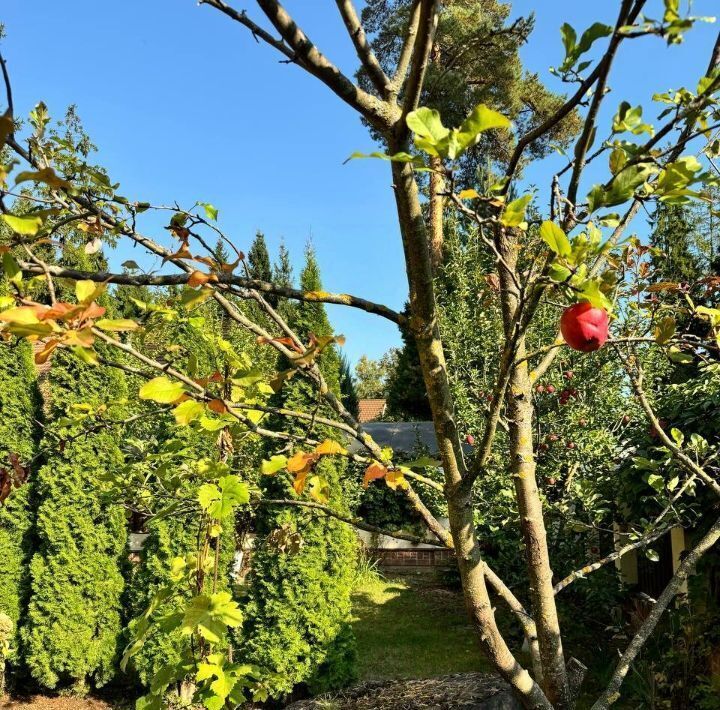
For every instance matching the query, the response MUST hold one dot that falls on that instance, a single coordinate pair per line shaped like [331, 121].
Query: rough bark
[520, 420]
[425, 328]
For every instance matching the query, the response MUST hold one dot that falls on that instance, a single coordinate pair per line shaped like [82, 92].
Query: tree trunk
[425, 328]
[520, 416]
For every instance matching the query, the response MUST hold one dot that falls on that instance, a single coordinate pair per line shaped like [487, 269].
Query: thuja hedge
[20, 413]
[73, 626]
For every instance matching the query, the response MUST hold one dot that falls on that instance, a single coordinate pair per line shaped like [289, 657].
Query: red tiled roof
[371, 409]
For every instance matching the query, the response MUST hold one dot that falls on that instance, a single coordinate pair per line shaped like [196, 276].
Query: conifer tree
[73, 625]
[299, 599]
[20, 413]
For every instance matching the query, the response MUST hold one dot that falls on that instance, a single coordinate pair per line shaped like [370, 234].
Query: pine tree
[298, 610]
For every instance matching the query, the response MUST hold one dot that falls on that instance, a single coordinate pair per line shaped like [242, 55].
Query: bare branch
[686, 567]
[362, 47]
[427, 24]
[407, 50]
[135, 279]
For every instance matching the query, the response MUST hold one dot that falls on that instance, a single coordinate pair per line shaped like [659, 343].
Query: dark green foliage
[20, 413]
[298, 608]
[73, 623]
[259, 259]
[347, 387]
[407, 397]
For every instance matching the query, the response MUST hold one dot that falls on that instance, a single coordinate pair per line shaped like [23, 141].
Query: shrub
[73, 623]
[19, 414]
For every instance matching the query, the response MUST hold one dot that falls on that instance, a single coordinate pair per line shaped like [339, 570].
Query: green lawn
[412, 628]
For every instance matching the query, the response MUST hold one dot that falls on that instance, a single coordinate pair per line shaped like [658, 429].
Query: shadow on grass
[412, 628]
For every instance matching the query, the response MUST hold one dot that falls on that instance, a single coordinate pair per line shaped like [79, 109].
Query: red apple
[470, 439]
[550, 389]
[569, 374]
[540, 389]
[584, 327]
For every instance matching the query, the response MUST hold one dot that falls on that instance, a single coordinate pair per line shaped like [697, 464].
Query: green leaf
[319, 489]
[188, 411]
[117, 324]
[396, 158]
[656, 481]
[514, 214]
[679, 357]
[210, 615]
[27, 226]
[275, 464]
[664, 330]
[427, 124]
[481, 119]
[211, 212]
[629, 119]
[677, 435]
[220, 500]
[652, 555]
[162, 390]
[621, 188]
[573, 49]
[11, 268]
[590, 291]
[555, 238]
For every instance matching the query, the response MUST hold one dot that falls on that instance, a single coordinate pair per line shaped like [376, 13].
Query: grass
[412, 628]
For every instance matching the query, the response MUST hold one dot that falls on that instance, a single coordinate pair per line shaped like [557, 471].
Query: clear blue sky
[184, 105]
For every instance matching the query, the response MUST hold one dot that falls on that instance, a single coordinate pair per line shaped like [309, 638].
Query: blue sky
[185, 106]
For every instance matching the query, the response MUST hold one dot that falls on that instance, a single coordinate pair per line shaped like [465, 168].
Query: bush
[19, 414]
[73, 624]
[298, 610]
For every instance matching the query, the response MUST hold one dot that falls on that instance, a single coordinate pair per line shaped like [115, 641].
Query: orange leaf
[330, 448]
[92, 311]
[374, 471]
[199, 278]
[60, 311]
[42, 356]
[299, 482]
[217, 406]
[301, 462]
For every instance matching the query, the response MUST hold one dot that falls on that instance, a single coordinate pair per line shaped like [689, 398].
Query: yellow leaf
[468, 194]
[330, 448]
[395, 480]
[373, 472]
[21, 314]
[88, 291]
[117, 324]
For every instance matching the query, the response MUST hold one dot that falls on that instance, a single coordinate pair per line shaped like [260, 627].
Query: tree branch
[611, 693]
[362, 47]
[132, 279]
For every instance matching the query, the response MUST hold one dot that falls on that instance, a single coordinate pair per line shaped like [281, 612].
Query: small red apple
[626, 419]
[571, 445]
[583, 422]
[569, 374]
[551, 481]
[540, 389]
[543, 447]
[553, 437]
[550, 389]
[470, 439]
[584, 327]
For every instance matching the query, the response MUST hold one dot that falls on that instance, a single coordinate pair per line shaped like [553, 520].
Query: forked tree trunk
[425, 328]
[522, 464]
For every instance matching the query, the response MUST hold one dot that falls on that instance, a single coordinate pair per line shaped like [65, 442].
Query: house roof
[370, 409]
[401, 436]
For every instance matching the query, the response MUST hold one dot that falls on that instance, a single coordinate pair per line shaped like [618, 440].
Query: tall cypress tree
[298, 609]
[20, 413]
[73, 624]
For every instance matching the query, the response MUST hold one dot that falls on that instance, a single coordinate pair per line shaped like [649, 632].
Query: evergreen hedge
[72, 630]
[19, 415]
